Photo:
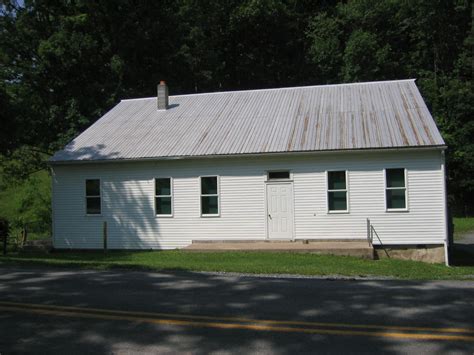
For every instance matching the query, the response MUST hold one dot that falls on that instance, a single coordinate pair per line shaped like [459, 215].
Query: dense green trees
[64, 63]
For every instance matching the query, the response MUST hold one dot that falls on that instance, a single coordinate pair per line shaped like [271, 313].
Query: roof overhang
[248, 155]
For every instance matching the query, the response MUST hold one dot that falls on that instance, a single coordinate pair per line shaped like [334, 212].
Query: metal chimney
[162, 96]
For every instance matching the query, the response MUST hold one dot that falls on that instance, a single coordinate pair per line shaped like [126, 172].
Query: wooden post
[24, 236]
[104, 232]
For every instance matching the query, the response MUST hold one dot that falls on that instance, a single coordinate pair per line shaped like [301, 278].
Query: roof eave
[249, 155]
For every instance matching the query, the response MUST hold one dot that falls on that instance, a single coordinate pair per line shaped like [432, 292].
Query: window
[337, 191]
[395, 189]
[163, 197]
[209, 196]
[93, 203]
[278, 175]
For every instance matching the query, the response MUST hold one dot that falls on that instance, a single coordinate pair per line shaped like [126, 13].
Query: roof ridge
[282, 88]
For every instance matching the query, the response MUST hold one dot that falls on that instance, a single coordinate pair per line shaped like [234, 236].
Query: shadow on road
[404, 303]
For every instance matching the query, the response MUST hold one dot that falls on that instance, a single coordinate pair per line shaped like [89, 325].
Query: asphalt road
[77, 311]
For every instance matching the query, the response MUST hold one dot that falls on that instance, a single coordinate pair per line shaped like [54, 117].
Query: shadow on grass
[244, 262]
[462, 254]
[89, 264]
[113, 260]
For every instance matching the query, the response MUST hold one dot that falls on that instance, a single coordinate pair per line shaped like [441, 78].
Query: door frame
[279, 182]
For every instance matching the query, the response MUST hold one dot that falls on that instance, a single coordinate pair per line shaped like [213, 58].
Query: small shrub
[4, 227]
[4, 231]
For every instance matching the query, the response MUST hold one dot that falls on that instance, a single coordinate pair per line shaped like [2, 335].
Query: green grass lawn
[463, 225]
[246, 262]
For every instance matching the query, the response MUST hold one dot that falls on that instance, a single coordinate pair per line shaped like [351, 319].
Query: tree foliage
[65, 63]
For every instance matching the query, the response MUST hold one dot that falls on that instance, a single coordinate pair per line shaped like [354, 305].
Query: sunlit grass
[27, 204]
[247, 262]
[463, 225]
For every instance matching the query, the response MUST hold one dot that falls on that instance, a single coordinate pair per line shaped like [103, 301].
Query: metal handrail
[369, 233]
[370, 236]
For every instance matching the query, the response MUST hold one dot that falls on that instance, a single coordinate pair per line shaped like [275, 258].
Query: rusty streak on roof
[375, 115]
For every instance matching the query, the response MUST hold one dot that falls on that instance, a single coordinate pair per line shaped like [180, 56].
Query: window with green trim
[337, 191]
[93, 199]
[395, 189]
[209, 196]
[163, 197]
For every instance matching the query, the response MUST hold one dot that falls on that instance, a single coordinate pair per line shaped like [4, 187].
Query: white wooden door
[280, 210]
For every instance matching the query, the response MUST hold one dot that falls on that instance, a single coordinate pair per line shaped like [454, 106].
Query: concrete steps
[356, 248]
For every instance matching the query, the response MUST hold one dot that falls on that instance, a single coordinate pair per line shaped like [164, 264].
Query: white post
[445, 209]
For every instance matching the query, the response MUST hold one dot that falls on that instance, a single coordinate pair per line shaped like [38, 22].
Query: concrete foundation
[356, 248]
[425, 253]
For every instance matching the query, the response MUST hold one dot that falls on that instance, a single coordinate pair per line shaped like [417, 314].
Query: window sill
[210, 215]
[278, 180]
[391, 210]
[164, 216]
[338, 212]
[93, 215]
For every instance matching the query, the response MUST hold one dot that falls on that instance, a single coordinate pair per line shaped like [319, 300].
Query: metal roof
[388, 114]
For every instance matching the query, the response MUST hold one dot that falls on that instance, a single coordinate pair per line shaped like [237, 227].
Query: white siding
[128, 200]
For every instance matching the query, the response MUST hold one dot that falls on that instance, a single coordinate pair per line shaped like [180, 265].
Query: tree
[429, 40]
[63, 64]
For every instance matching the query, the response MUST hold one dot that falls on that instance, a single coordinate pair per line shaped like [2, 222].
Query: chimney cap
[162, 82]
